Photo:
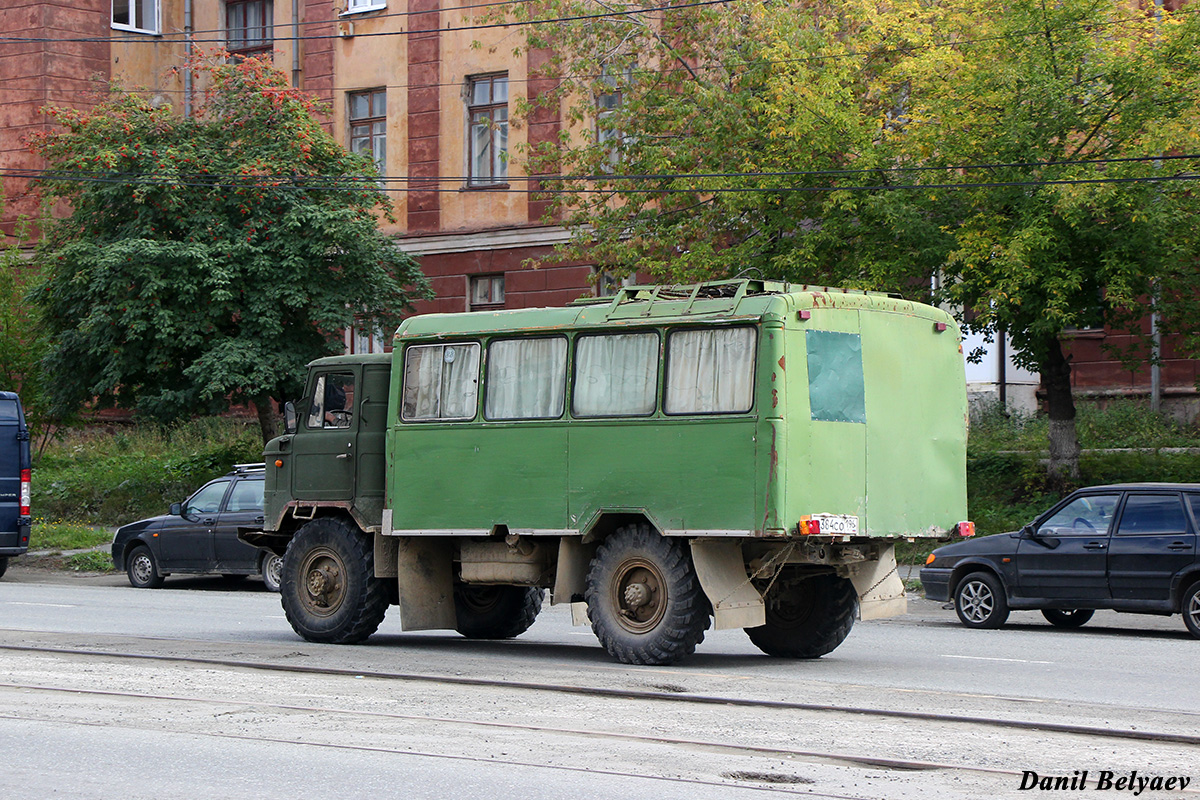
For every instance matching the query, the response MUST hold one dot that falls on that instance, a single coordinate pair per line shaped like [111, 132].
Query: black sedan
[201, 535]
[1128, 547]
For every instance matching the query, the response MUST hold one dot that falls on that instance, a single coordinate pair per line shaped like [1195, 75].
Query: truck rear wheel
[3, 565]
[807, 615]
[495, 612]
[328, 585]
[644, 598]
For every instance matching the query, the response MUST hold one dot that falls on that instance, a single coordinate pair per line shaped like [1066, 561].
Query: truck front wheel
[807, 615]
[328, 585]
[644, 599]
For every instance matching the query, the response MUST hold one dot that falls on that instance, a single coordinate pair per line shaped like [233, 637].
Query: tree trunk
[1064, 441]
[266, 416]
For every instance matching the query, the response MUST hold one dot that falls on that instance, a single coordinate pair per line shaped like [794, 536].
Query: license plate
[838, 524]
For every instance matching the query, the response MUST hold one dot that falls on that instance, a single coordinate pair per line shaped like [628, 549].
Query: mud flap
[425, 570]
[880, 590]
[722, 573]
[570, 575]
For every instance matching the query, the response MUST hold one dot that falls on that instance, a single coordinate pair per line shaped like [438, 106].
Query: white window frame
[363, 6]
[156, 28]
[373, 121]
[492, 171]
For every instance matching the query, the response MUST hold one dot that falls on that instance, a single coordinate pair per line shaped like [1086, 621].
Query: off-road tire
[495, 612]
[142, 569]
[1067, 617]
[1189, 606]
[807, 615]
[328, 586]
[644, 598]
[3, 565]
[272, 571]
[980, 601]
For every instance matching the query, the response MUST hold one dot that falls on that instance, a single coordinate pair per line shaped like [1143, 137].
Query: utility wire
[300, 183]
[157, 38]
[374, 180]
[567, 78]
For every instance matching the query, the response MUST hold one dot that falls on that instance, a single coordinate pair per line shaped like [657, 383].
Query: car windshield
[1082, 515]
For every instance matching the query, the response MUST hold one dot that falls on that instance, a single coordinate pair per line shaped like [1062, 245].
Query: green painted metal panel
[688, 473]
[916, 433]
[453, 475]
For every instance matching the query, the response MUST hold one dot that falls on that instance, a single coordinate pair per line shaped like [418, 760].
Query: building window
[363, 340]
[356, 6]
[487, 113]
[368, 126]
[487, 291]
[608, 284]
[135, 15]
[607, 103]
[249, 27]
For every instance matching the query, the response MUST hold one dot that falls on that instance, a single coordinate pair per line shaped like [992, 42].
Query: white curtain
[526, 378]
[440, 381]
[710, 371]
[615, 375]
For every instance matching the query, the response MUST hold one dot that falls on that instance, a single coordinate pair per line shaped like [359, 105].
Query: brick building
[426, 91]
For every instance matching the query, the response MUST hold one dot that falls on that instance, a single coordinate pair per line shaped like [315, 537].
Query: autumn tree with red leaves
[207, 259]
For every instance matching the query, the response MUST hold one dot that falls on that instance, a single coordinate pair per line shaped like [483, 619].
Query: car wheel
[272, 567]
[3, 565]
[980, 601]
[1067, 617]
[141, 569]
[1190, 607]
[644, 598]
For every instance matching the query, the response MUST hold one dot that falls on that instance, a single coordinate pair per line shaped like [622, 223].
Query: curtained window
[526, 378]
[710, 371]
[615, 375]
[441, 381]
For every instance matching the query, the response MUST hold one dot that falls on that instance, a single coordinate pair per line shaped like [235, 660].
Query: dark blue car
[14, 480]
[1127, 547]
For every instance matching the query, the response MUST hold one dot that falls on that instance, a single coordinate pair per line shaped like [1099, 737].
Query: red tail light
[25, 492]
[965, 529]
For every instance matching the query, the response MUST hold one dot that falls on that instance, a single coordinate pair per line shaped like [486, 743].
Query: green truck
[742, 454]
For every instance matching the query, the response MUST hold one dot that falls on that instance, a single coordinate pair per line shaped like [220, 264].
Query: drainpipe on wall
[187, 51]
[295, 44]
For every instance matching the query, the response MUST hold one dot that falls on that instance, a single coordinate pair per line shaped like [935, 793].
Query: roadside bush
[110, 478]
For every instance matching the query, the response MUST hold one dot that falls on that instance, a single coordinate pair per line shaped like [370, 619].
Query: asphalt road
[1120, 672]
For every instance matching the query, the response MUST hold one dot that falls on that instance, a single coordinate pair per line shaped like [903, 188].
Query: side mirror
[176, 509]
[289, 417]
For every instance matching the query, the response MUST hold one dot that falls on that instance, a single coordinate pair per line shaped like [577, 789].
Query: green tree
[998, 158]
[1070, 103]
[207, 259]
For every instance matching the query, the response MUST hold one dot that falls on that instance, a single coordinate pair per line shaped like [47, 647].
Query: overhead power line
[356, 183]
[181, 37]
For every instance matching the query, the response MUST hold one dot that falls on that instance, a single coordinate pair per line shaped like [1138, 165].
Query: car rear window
[1152, 513]
[8, 411]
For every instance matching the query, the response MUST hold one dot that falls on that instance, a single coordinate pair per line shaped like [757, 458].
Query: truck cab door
[323, 448]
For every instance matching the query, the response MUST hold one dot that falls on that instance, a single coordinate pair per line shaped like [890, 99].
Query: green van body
[891, 428]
